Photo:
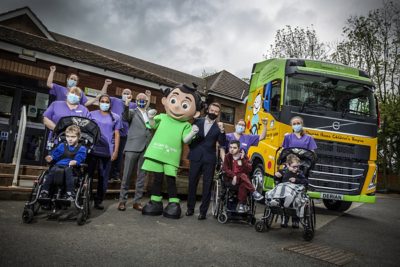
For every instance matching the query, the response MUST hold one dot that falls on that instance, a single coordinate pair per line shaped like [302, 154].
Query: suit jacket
[203, 147]
[139, 135]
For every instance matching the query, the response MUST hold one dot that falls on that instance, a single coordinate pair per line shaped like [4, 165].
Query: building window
[227, 114]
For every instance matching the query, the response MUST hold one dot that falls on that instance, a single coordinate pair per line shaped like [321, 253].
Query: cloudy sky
[190, 35]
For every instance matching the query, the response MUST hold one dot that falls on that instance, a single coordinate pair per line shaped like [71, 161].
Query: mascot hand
[151, 113]
[195, 129]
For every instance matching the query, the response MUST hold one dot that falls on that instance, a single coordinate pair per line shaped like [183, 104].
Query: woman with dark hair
[298, 138]
[61, 92]
[106, 149]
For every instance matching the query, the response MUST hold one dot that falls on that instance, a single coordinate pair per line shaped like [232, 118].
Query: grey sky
[192, 35]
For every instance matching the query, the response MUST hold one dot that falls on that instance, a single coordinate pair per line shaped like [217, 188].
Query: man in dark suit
[203, 157]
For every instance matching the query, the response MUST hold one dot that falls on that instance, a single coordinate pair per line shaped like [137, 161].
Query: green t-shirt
[166, 144]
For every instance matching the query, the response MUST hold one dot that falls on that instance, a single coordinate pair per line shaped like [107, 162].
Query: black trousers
[198, 168]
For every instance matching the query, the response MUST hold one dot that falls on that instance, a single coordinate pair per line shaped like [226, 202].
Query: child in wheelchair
[291, 174]
[65, 156]
[237, 166]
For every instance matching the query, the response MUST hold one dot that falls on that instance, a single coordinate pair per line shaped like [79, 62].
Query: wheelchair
[55, 202]
[224, 202]
[302, 207]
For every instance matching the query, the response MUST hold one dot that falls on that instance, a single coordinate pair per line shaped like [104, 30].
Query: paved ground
[371, 232]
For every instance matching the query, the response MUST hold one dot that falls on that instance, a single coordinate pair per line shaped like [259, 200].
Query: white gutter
[81, 66]
[228, 98]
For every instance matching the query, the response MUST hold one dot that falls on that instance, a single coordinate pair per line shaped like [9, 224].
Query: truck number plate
[331, 196]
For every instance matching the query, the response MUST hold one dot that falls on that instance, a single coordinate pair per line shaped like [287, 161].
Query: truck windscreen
[330, 94]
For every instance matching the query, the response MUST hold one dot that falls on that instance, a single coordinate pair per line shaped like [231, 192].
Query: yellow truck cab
[339, 109]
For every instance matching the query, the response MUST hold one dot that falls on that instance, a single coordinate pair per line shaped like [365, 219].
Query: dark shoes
[189, 212]
[295, 224]
[121, 206]
[98, 206]
[202, 217]
[172, 210]
[153, 208]
[137, 206]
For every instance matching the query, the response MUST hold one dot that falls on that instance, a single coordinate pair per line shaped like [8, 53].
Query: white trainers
[241, 208]
[257, 196]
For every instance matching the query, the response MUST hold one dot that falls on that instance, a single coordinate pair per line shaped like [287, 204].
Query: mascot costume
[163, 155]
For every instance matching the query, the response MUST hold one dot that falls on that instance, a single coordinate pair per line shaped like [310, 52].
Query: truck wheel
[337, 205]
[257, 178]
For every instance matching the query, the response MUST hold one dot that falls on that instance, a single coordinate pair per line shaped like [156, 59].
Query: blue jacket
[203, 148]
[58, 153]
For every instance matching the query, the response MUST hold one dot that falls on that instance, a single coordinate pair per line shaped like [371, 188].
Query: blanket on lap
[292, 195]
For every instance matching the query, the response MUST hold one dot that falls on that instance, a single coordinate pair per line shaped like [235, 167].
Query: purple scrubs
[117, 106]
[107, 127]
[246, 141]
[60, 109]
[306, 141]
[61, 93]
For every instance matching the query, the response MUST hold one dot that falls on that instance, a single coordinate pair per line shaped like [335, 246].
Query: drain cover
[324, 253]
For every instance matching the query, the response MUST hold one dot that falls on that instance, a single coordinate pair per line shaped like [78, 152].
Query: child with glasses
[292, 174]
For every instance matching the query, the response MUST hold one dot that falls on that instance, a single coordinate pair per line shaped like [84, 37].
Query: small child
[236, 167]
[291, 173]
[67, 154]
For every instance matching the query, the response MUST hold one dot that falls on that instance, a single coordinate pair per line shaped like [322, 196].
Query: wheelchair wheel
[81, 218]
[260, 226]
[27, 215]
[215, 198]
[222, 217]
[309, 221]
[89, 181]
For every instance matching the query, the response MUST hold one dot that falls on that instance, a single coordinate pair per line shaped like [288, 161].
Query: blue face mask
[71, 83]
[124, 97]
[239, 129]
[297, 128]
[104, 106]
[72, 98]
[141, 103]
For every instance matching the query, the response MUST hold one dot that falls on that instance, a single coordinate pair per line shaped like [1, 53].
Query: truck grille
[340, 168]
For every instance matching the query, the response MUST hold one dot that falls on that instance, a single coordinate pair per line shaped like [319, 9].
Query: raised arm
[50, 78]
[107, 82]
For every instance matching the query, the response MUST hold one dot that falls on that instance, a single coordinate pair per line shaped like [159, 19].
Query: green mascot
[163, 155]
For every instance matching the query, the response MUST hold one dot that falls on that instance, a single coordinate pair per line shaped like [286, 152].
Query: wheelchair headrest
[307, 157]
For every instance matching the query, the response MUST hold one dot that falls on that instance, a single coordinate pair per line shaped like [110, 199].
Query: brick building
[28, 49]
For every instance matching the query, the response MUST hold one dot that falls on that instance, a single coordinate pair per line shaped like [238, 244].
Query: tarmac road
[113, 238]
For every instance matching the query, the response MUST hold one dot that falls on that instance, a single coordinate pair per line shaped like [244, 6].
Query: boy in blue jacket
[66, 155]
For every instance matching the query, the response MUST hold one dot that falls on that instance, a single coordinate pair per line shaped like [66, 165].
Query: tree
[297, 43]
[372, 43]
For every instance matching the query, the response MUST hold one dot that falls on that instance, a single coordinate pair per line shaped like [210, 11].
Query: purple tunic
[306, 141]
[107, 127]
[60, 109]
[117, 106]
[61, 93]
[246, 141]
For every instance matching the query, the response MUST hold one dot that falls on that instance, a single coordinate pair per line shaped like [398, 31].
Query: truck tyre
[257, 177]
[337, 205]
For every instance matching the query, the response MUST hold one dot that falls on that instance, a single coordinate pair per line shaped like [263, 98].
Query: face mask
[239, 129]
[124, 97]
[141, 103]
[104, 106]
[297, 128]
[71, 83]
[212, 116]
[73, 99]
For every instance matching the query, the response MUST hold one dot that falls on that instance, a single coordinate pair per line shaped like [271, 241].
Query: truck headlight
[372, 185]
